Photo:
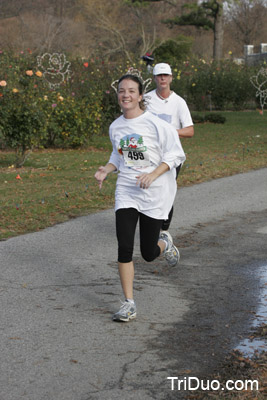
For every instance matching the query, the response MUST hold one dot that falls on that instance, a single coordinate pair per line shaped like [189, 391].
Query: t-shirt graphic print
[134, 151]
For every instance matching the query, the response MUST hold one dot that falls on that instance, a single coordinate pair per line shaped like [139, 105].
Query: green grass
[56, 185]
[219, 150]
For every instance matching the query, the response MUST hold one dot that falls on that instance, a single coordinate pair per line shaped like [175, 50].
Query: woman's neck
[130, 114]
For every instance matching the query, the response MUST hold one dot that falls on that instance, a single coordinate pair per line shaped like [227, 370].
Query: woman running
[146, 151]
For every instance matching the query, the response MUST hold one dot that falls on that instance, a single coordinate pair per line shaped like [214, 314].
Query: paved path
[59, 288]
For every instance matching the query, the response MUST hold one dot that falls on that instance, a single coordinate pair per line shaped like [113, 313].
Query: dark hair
[135, 78]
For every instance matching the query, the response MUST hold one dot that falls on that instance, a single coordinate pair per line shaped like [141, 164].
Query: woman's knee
[150, 255]
[125, 254]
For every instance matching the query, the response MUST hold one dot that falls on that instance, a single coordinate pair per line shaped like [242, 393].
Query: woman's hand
[101, 175]
[145, 180]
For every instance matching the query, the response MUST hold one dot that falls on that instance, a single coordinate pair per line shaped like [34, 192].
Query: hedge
[58, 101]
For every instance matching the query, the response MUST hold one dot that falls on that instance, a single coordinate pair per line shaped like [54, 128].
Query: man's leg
[167, 222]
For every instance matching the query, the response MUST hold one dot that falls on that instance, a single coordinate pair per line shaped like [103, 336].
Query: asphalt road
[59, 288]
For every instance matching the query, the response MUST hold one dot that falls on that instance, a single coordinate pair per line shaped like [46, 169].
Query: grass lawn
[55, 185]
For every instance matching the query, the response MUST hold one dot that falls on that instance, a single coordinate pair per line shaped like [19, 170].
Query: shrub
[172, 51]
[21, 126]
[197, 118]
[214, 86]
[67, 116]
[32, 114]
[215, 118]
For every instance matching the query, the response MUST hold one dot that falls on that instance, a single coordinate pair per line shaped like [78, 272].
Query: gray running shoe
[165, 235]
[171, 252]
[126, 312]
[172, 256]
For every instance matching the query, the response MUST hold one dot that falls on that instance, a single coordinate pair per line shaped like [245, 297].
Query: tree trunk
[218, 35]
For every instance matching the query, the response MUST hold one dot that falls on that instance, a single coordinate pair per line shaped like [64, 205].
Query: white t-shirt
[173, 110]
[139, 146]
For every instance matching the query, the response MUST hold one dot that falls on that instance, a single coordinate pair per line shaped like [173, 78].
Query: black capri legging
[126, 221]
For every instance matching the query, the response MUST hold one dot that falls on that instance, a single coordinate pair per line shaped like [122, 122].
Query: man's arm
[186, 132]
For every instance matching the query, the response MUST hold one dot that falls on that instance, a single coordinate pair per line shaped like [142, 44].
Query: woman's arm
[102, 173]
[145, 180]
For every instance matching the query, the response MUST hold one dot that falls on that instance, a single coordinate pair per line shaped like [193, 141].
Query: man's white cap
[162, 68]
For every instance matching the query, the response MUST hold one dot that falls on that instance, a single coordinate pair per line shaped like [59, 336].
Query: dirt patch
[219, 276]
[249, 373]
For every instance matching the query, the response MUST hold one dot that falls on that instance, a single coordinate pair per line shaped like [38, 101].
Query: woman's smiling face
[128, 96]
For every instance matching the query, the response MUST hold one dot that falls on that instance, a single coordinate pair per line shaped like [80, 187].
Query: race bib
[136, 158]
[134, 151]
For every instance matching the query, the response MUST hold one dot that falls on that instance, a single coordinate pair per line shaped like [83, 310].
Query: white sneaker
[126, 312]
[171, 252]
[166, 236]
[172, 256]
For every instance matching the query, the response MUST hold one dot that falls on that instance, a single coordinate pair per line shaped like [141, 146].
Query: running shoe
[126, 312]
[165, 235]
[171, 252]
[172, 256]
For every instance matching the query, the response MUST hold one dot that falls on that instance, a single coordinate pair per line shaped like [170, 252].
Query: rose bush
[55, 100]
[34, 115]
[209, 85]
